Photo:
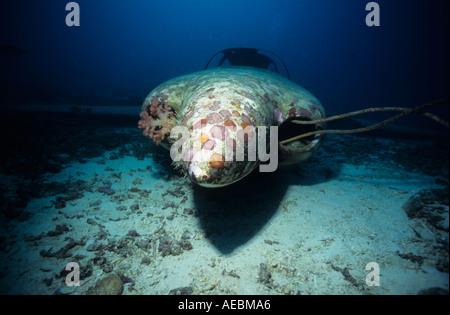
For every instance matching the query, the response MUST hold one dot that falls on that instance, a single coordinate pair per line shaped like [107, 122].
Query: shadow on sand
[231, 216]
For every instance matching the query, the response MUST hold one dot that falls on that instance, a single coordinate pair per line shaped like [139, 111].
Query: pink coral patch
[225, 113]
[218, 132]
[214, 118]
[209, 145]
[230, 125]
[246, 119]
[214, 107]
[200, 124]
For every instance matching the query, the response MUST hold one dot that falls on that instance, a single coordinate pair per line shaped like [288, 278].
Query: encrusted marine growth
[157, 119]
[224, 109]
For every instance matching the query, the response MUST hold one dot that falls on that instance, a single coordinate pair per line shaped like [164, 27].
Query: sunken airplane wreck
[223, 115]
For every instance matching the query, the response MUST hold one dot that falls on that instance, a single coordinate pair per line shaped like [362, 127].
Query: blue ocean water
[78, 179]
[122, 51]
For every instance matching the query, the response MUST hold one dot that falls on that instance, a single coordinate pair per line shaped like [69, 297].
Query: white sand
[302, 225]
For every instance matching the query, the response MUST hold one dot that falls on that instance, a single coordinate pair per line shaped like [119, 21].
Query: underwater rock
[186, 235]
[224, 110]
[431, 205]
[231, 273]
[107, 190]
[59, 229]
[186, 245]
[126, 279]
[121, 208]
[146, 261]
[442, 263]
[347, 276]
[133, 233]
[175, 249]
[94, 247]
[170, 246]
[264, 275]
[110, 285]
[144, 244]
[134, 207]
[181, 291]
[95, 203]
[59, 203]
[188, 211]
[169, 205]
[411, 257]
[64, 251]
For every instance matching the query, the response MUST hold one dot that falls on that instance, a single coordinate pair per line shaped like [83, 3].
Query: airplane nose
[215, 134]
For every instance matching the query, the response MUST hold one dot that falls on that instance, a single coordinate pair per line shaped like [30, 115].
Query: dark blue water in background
[123, 49]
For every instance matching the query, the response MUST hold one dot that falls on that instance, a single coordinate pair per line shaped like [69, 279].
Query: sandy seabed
[123, 214]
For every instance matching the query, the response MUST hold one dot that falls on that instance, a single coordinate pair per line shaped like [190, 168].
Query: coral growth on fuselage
[217, 106]
[157, 119]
